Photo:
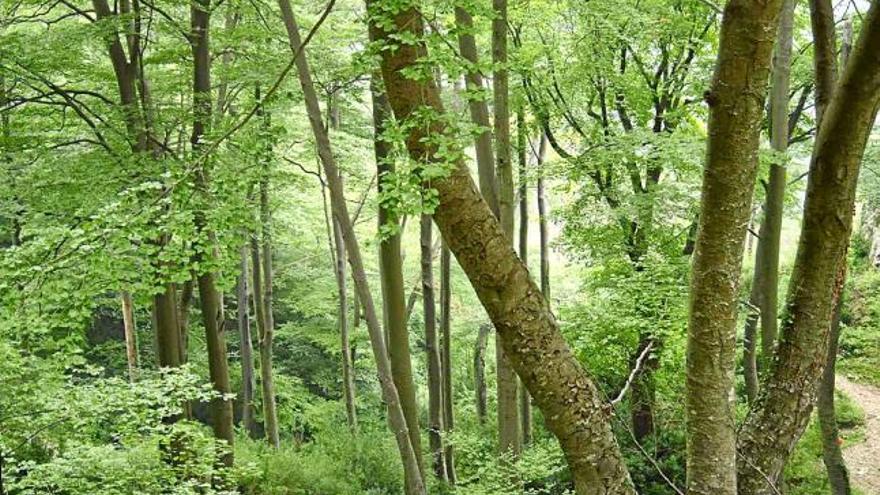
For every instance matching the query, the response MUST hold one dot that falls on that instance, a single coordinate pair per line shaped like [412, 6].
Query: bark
[391, 267]
[824, 53]
[210, 299]
[269, 415]
[832, 456]
[248, 418]
[478, 108]
[131, 346]
[348, 391]
[446, 356]
[542, 219]
[750, 339]
[182, 303]
[559, 385]
[736, 103]
[167, 328]
[480, 371]
[771, 226]
[432, 348]
[506, 380]
[524, 399]
[783, 408]
[413, 478]
[267, 374]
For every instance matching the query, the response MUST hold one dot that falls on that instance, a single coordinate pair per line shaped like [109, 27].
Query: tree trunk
[771, 226]
[131, 346]
[506, 380]
[248, 418]
[824, 53]
[529, 333]
[446, 356]
[481, 398]
[783, 408]
[182, 303]
[542, 219]
[524, 399]
[736, 103]
[269, 408]
[348, 391]
[167, 328]
[432, 348]
[832, 456]
[209, 297]
[391, 268]
[479, 110]
[750, 337]
[396, 419]
[267, 377]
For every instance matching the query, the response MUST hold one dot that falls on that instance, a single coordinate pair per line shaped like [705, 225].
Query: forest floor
[863, 459]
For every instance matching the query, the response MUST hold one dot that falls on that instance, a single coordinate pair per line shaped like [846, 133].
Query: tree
[432, 349]
[560, 386]
[736, 102]
[246, 347]
[396, 418]
[787, 396]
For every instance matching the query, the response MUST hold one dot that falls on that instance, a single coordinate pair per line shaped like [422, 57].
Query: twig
[633, 373]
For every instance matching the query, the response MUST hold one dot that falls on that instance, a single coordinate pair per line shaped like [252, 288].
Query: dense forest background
[217, 223]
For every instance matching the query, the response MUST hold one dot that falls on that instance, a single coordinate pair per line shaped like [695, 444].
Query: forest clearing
[470, 247]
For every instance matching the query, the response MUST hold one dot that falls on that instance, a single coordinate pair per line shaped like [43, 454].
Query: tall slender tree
[736, 103]
[131, 345]
[525, 412]
[397, 420]
[446, 356]
[246, 345]
[432, 348]
[506, 382]
[783, 408]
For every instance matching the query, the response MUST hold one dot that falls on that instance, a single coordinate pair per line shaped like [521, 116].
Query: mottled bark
[432, 350]
[269, 408]
[446, 356]
[783, 408]
[131, 346]
[736, 103]
[267, 336]
[525, 404]
[832, 455]
[506, 381]
[481, 398]
[414, 483]
[559, 385]
[248, 418]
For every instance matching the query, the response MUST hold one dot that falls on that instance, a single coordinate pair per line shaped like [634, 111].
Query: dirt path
[863, 459]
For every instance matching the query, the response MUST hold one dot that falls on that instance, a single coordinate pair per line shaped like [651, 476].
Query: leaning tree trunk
[530, 336]
[432, 348]
[209, 297]
[248, 418]
[506, 380]
[396, 418]
[736, 103]
[446, 356]
[783, 408]
[826, 73]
